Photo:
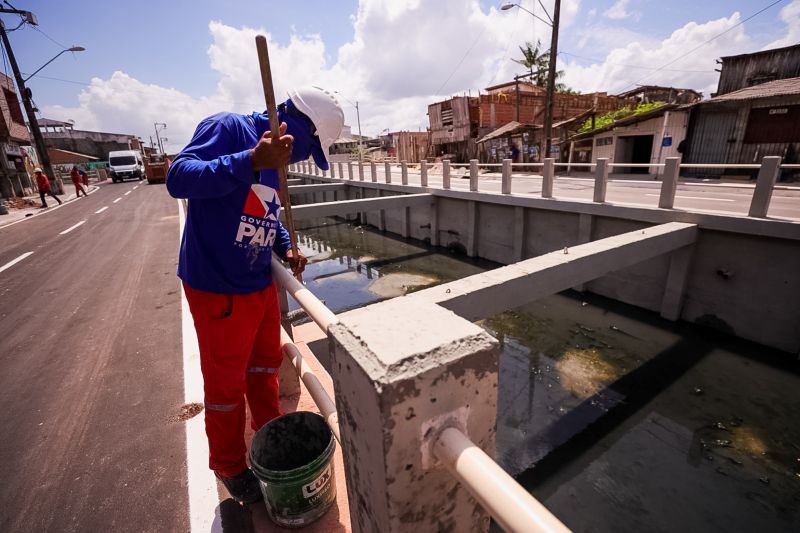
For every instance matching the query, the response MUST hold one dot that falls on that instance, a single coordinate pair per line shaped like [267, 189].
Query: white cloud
[404, 55]
[619, 10]
[791, 16]
[633, 64]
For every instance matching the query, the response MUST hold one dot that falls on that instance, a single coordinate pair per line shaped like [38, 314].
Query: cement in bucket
[291, 457]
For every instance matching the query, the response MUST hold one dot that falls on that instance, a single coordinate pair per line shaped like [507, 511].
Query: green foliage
[537, 62]
[619, 114]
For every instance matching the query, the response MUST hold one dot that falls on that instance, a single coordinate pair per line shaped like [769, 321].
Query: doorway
[635, 149]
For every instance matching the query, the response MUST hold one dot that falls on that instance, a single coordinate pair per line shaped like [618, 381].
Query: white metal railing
[669, 173]
[320, 314]
[314, 386]
[508, 503]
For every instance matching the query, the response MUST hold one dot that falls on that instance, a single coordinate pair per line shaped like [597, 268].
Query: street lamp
[162, 126]
[551, 71]
[358, 118]
[73, 49]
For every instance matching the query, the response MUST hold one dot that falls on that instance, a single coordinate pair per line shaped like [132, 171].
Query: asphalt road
[91, 367]
[713, 197]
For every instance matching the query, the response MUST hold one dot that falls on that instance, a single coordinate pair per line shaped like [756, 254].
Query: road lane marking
[201, 484]
[15, 261]
[127, 193]
[100, 210]
[117, 200]
[136, 187]
[82, 222]
[698, 198]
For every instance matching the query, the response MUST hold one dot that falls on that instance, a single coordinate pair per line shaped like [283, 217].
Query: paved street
[91, 368]
[714, 197]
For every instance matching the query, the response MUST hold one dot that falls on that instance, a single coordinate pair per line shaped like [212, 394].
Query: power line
[462, 59]
[662, 67]
[628, 66]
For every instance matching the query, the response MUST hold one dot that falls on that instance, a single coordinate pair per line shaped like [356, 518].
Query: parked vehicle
[156, 168]
[126, 164]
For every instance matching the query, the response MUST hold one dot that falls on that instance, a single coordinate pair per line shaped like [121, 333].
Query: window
[13, 106]
[603, 141]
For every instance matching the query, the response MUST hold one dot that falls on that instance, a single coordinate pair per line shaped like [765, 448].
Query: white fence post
[374, 171]
[446, 174]
[548, 177]
[360, 171]
[404, 172]
[669, 182]
[765, 184]
[387, 172]
[473, 175]
[350, 170]
[600, 180]
[423, 173]
[505, 180]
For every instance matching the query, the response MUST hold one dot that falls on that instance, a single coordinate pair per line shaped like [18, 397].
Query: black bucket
[292, 458]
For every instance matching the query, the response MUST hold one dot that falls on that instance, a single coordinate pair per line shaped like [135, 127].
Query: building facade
[746, 70]
[14, 137]
[63, 136]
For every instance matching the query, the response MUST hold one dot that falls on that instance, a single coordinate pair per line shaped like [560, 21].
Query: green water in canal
[615, 419]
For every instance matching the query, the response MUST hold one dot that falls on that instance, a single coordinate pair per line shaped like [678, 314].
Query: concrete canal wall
[741, 276]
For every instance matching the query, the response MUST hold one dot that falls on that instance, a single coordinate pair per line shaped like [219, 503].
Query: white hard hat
[324, 111]
[37, 169]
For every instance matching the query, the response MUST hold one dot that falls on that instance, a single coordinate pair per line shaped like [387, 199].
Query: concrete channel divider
[344, 207]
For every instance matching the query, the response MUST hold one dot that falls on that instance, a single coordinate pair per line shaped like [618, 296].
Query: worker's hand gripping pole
[274, 126]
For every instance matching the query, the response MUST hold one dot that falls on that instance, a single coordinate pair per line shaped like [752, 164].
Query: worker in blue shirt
[228, 174]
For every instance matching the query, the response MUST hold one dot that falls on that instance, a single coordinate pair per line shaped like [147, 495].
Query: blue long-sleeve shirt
[232, 223]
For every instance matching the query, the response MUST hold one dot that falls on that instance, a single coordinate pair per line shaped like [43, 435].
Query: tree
[537, 63]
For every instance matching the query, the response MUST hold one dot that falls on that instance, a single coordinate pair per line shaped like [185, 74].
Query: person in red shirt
[44, 187]
[76, 180]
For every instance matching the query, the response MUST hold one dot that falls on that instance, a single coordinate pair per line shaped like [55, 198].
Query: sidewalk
[30, 206]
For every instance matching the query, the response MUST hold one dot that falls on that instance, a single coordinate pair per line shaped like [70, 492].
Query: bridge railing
[669, 175]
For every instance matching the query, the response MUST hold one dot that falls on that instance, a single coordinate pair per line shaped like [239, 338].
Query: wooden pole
[274, 126]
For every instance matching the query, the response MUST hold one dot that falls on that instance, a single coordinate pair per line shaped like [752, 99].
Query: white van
[126, 164]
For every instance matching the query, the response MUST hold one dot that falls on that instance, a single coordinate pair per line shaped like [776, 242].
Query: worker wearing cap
[228, 174]
[44, 187]
[77, 179]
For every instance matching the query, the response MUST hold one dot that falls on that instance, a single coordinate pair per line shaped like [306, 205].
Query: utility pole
[44, 157]
[158, 137]
[551, 79]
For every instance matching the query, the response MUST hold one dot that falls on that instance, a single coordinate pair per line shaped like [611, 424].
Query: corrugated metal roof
[786, 87]
[506, 129]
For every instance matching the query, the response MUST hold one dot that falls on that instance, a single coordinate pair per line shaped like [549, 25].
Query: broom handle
[274, 126]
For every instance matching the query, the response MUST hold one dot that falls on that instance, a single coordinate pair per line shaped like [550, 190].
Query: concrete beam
[483, 295]
[394, 400]
[765, 185]
[305, 212]
[319, 187]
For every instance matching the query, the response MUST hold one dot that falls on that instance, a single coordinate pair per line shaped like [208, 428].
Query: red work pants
[239, 338]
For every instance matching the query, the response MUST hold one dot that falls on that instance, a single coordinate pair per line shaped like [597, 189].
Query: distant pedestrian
[76, 180]
[84, 177]
[44, 186]
[514, 153]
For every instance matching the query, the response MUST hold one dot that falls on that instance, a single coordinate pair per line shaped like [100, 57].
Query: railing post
[350, 170]
[473, 175]
[423, 173]
[505, 180]
[765, 184]
[360, 171]
[373, 171]
[404, 172]
[396, 398]
[446, 174]
[600, 180]
[669, 182]
[548, 177]
[387, 172]
[316, 170]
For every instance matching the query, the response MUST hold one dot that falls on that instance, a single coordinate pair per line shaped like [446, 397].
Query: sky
[178, 61]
